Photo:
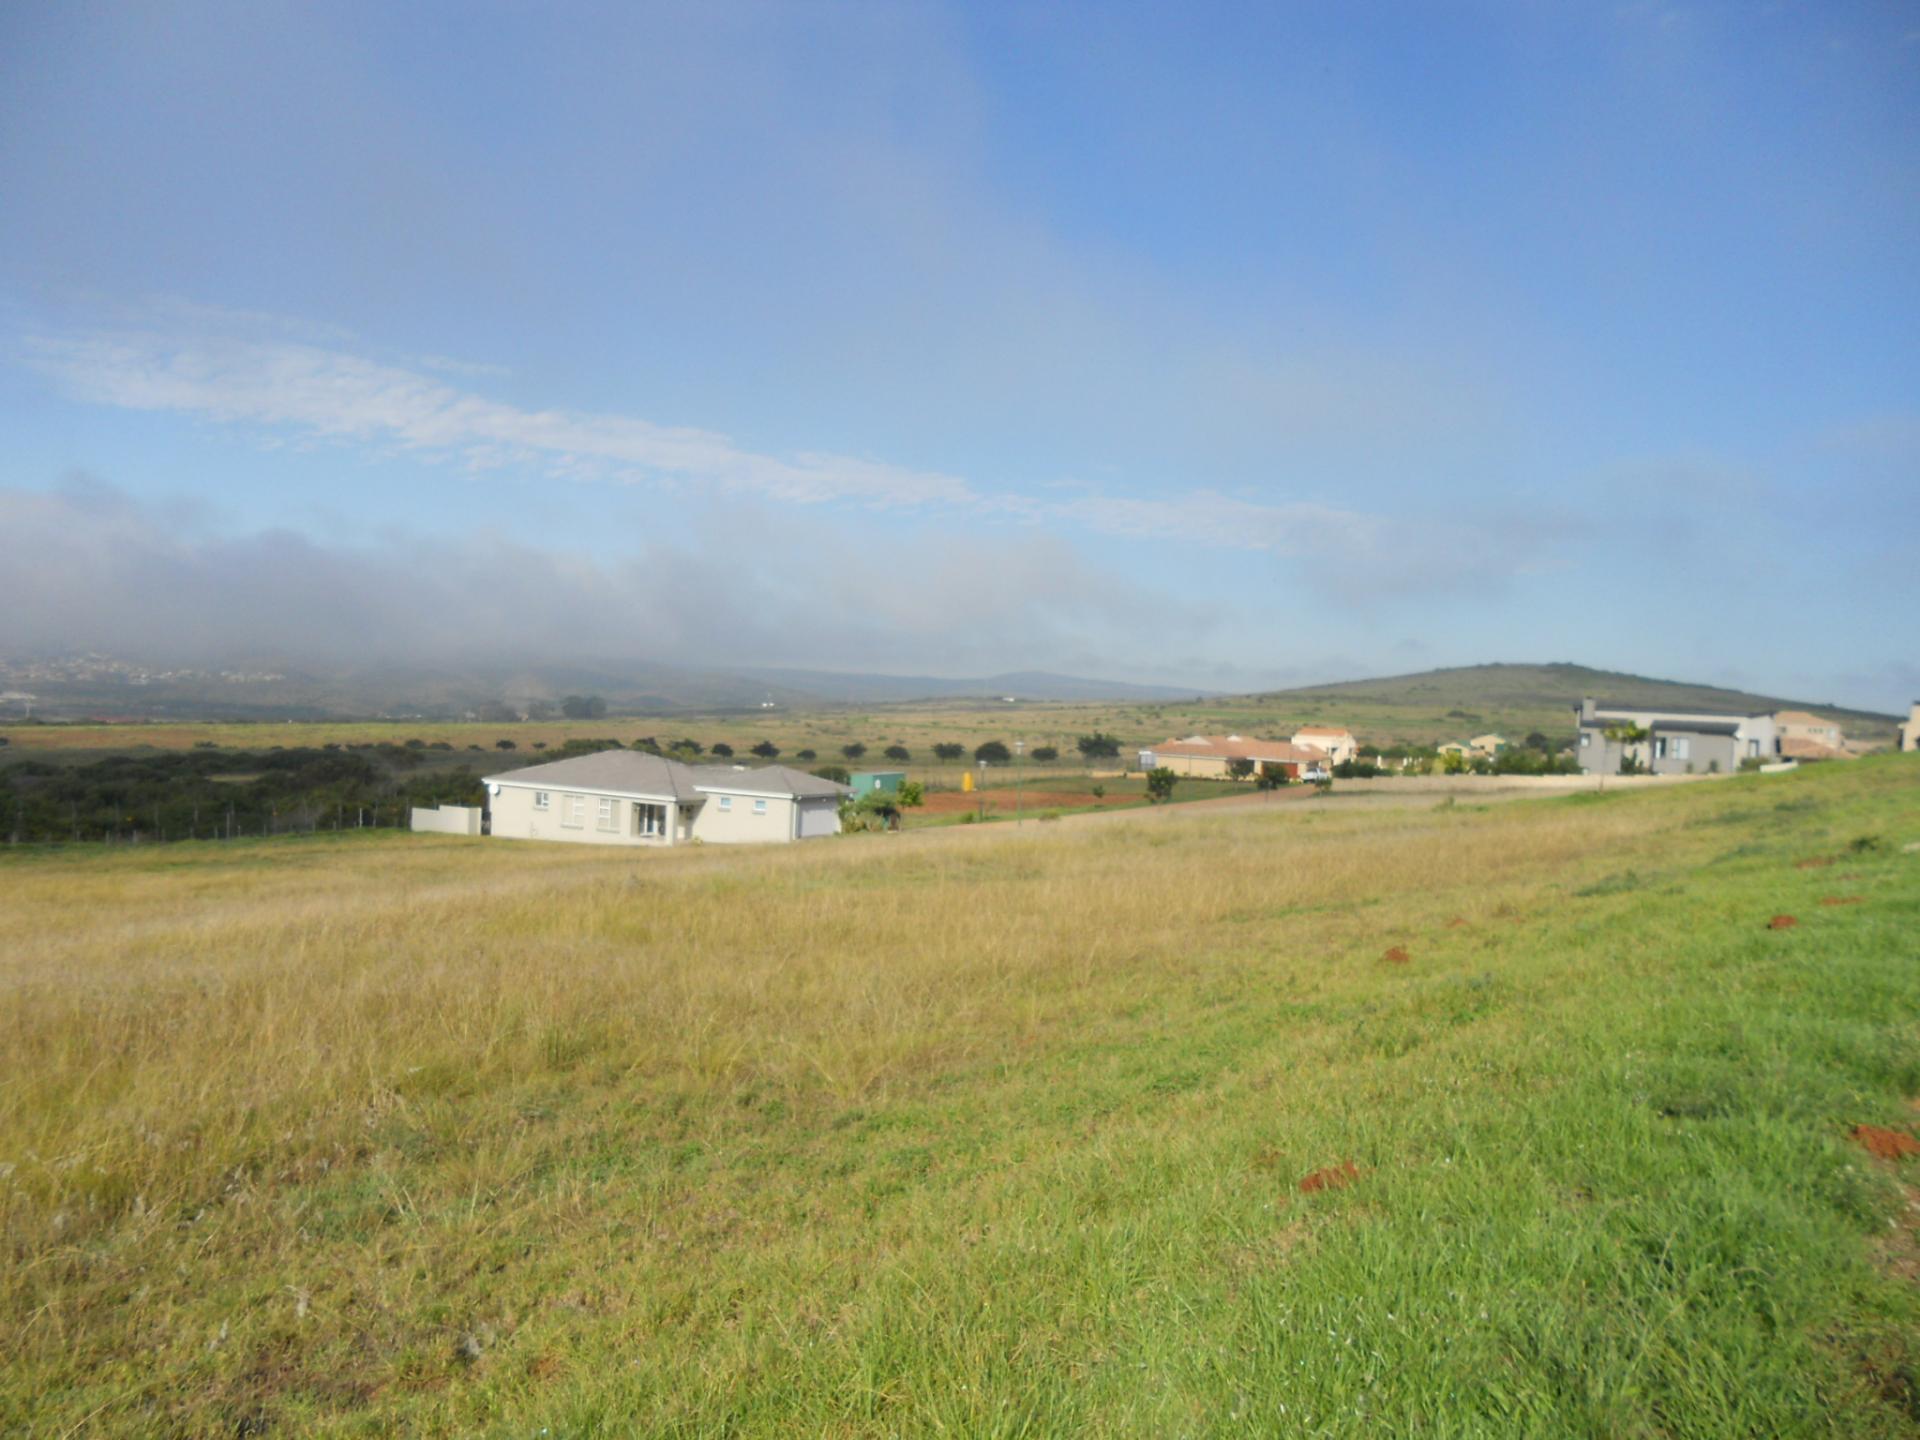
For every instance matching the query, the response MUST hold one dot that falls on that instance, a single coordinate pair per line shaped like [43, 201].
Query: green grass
[990, 1133]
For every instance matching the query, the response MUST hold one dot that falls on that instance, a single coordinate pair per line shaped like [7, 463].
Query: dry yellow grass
[273, 1113]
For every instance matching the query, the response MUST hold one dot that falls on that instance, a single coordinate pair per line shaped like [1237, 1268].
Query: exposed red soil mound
[1334, 1177]
[1876, 1140]
[1843, 899]
[1397, 955]
[1782, 922]
[1813, 862]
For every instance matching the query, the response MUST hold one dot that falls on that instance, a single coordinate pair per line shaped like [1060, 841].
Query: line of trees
[210, 794]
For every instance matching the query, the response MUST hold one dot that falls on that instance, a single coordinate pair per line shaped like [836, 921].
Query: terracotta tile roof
[1238, 747]
[1324, 730]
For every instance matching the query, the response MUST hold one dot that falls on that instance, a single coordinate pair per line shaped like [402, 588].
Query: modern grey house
[1678, 742]
[624, 797]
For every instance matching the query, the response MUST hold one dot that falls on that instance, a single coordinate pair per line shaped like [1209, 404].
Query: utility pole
[1019, 749]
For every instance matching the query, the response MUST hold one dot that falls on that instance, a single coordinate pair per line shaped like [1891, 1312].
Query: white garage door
[819, 817]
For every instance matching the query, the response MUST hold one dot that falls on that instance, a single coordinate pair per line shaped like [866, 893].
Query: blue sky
[1225, 345]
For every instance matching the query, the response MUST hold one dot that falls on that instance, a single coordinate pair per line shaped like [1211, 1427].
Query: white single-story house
[626, 797]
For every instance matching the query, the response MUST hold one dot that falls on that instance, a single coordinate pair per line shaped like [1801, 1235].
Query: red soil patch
[1843, 899]
[1334, 1177]
[1813, 862]
[1876, 1140]
[1456, 923]
[1001, 802]
[1397, 955]
[1782, 922]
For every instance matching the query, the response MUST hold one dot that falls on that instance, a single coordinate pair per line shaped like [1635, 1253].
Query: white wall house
[624, 797]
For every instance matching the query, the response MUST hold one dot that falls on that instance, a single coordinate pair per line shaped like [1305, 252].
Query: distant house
[1212, 757]
[1335, 740]
[1454, 747]
[1910, 730]
[1677, 742]
[1487, 745]
[1802, 736]
[625, 797]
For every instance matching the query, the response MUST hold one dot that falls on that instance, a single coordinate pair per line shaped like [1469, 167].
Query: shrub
[898, 752]
[1160, 784]
[1099, 792]
[949, 750]
[1098, 746]
[854, 750]
[836, 773]
[806, 755]
[723, 750]
[766, 750]
[993, 752]
[1045, 754]
[504, 745]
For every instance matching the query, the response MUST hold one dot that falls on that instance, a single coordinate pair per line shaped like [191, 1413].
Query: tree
[1629, 737]
[1536, 741]
[1098, 746]
[854, 750]
[806, 755]
[836, 773]
[692, 747]
[1452, 762]
[723, 750]
[1239, 768]
[993, 752]
[766, 750]
[882, 807]
[949, 750]
[1160, 784]
[898, 752]
[504, 745]
[1272, 776]
[647, 745]
[583, 707]
[1045, 754]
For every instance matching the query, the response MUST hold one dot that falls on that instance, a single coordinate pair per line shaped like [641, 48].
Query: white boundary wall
[448, 820]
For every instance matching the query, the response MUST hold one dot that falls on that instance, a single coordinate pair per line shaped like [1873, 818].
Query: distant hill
[1565, 684]
[1514, 700]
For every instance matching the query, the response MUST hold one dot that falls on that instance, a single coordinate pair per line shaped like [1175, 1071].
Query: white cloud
[261, 375]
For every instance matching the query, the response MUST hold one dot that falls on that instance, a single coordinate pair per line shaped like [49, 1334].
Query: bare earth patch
[1397, 955]
[1886, 1144]
[1843, 899]
[1333, 1177]
[1782, 922]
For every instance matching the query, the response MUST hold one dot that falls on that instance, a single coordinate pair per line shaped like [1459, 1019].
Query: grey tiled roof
[767, 780]
[633, 772]
[628, 772]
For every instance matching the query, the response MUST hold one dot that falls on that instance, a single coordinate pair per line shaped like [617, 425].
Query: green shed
[865, 782]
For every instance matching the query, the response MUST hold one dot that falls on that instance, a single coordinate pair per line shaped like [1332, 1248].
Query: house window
[607, 820]
[542, 800]
[1682, 747]
[1660, 748]
[726, 802]
[575, 813]
[759, 807]
[650, 820]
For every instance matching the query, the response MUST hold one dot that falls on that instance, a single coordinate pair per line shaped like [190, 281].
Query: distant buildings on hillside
[1699, 742]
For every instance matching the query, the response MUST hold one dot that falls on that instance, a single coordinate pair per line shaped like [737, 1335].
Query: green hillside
[1456, 703]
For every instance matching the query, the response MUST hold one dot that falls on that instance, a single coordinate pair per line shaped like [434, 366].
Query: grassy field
[983, 1131]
